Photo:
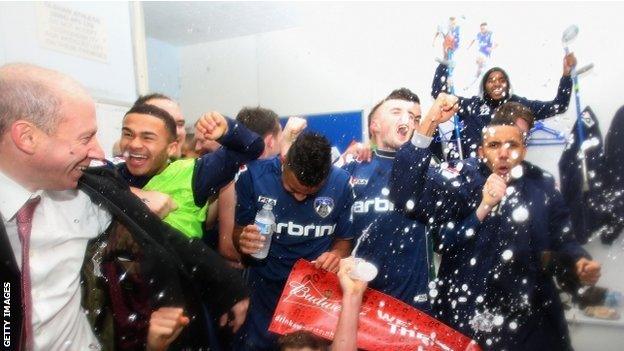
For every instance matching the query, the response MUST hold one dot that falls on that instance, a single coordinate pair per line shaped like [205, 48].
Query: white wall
[111, 83]
[163, 63]
[347, 56]
[219, 76]
[112, 79]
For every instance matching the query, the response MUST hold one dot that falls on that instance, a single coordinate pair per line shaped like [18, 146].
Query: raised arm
[414, 187]
[214, 170]
[546, 109]
[345, 338]
[454, 237]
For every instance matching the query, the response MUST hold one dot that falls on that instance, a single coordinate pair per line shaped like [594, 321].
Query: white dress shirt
[63, 223]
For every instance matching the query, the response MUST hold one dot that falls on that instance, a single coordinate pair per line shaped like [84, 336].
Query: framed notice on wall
[90, 41]
[73, 32]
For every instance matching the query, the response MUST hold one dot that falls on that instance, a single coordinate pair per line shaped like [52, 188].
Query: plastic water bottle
[265, 221]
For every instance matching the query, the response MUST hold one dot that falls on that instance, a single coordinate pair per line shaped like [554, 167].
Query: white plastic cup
[363, 270]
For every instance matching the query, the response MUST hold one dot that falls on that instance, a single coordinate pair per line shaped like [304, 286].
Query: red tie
[24, 224]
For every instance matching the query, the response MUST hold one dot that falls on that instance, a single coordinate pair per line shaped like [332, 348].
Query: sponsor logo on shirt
[323, 206]
[267, 200]
[295, 229]
[358, 181]
[377, 204]
[420, 298]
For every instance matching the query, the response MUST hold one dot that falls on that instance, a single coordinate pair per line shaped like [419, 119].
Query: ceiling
[187, 22]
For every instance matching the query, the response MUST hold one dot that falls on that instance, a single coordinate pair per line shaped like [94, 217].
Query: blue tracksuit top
[476, 112]
[398, 246]
[494, 265]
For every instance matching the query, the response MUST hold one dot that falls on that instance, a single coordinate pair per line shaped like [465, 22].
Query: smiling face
[502, 149]
[393, 123]
[63, 154]
[496, 85]
[174, 110]
[146, 143]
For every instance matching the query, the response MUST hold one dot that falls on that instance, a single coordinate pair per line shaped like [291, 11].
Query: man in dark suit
[59, 218]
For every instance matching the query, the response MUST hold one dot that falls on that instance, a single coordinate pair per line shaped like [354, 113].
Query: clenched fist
[211, 126]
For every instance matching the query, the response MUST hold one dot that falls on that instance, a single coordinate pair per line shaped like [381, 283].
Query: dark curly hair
[159, 113]
[514, 111]
[309, 158]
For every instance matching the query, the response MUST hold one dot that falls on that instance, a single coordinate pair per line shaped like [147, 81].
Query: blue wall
[339, 127]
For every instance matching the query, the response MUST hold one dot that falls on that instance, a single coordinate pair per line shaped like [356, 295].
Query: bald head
[35, 94]
[48, 127]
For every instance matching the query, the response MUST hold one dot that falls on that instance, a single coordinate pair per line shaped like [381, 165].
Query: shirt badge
[589, 122]
[323, 206]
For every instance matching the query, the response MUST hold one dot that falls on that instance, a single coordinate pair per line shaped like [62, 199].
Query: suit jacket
[138, 265]
[10, 278]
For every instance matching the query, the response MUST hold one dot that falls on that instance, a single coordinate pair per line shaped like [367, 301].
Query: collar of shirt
[385, 153]
[135, 181]
[13, 196]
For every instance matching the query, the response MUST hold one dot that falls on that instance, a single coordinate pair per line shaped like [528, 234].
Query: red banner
[312, 299]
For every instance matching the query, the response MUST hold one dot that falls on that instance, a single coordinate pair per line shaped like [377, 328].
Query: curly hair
[309, 158]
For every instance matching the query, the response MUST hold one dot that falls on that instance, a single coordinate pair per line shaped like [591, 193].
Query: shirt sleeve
[245, 199]
[348, 166]
[215, 170]
[560, 228]
[423, 192]
[545, 109]
[453, 238]
[439, 81]
[408, 176]
[421, 141]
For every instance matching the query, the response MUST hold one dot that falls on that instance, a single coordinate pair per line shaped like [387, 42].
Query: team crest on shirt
[589, 122]
[323, 206]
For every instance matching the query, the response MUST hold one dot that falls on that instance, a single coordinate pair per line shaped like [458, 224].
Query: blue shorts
[254, 334]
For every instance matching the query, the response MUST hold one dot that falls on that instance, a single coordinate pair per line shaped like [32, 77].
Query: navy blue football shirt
[304, 229]
[397, 245]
